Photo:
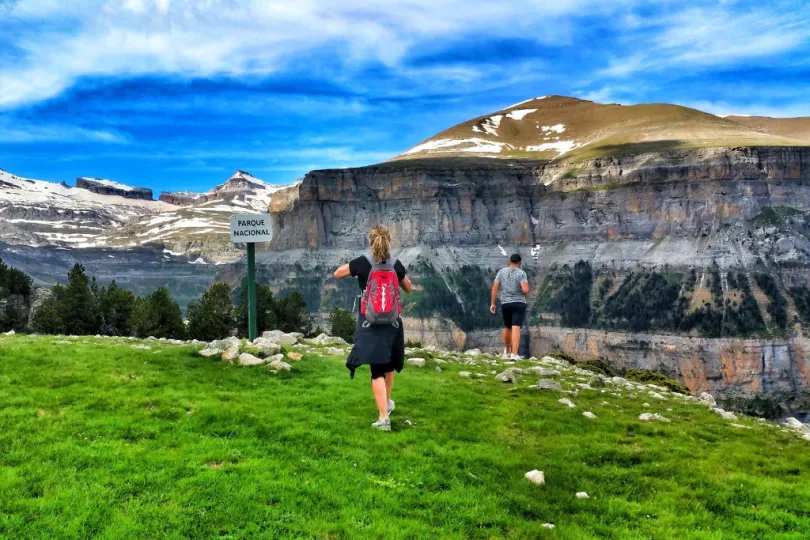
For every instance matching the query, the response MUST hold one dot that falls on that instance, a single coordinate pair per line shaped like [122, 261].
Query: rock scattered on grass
[472, 352]
[549, 384]
[463, 373]
[507, 376]
[231, 354]
[582, 495]
[325, 339]
[208, 352]
[548, 525]
[648, 417]
[656, 395]
[277, 336]
[707, 399]
[724, 414]
[334, 351]
[796, 424]
[566, 401]
[416, 362]
[589, 414]
[294, 356]
[247, 359]
[438, 369]
[279, 365]
[141, 347]
[535, 477]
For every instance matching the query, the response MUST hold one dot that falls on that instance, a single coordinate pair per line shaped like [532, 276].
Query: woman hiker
[379, 339]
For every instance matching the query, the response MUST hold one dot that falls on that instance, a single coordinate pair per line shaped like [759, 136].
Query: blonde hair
[379, 238]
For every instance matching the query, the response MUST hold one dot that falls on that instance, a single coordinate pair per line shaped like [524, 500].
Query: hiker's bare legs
[515, 339]
[507, 340]
[380, 396]
[389, 384]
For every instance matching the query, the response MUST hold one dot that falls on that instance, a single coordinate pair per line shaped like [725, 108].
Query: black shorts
[380, 370]
[513, 314]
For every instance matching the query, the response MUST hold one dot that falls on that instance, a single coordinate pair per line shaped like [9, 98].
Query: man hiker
[513, 286]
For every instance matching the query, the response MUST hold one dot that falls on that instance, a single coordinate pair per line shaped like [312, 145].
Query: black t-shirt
[361, 268]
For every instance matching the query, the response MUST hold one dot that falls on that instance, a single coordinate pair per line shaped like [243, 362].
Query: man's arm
[342, 271]
[493, 296]
[524, 287]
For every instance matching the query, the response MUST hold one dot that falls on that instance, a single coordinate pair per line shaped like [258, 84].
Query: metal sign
[251, 228]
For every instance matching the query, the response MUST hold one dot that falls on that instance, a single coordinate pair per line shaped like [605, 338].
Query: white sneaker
[391, 406]
[382, 425]
[514, 357]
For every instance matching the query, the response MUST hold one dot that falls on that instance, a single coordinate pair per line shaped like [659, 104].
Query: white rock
[334, 351]
[247, 359]
[647, 417]
[225, 344]
[739, 426]
[589, 414]
[211, 352]
[141, 347]
[279, 365]
[10, 333]
[230, 354]
[438, 369]
[566, 401]
[324, 339]
[280, 337]
[265, 346]
[582, 495]
[463, 373]
[472, 352]
[548, 525]
[724, 414]
[535, 477]
[549, 384]
[416, 362]
[793, 423]
[806, 436]
[707, 399]
[656, 395]
[507, 376]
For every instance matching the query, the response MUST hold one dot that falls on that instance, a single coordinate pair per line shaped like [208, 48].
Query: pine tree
[77, 305]
[46, 320]
[293, 315]
[266, 318]
[116, 306]
[158, 315]
[212, 316]
[342, 324]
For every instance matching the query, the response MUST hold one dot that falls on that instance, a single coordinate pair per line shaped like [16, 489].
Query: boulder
[463, 373]
[278, 365]
[266, 347]
[209, 352]
[535, 477]
[724, 414]
[324, 339]
[334, 351]
[509, 376]
[549, 384]
[793, 423]
[567, 402]
[544, 372]
[596, 382]
[277, 336]
[10, 333]
[141, 347]
[582, 495]
[231, 354]
[648, 417]
[472, 352]
[247, 359]
[589, 414]
[438, 369]
[416, 362]
[656, 395]
[294, 356]
[707, 399]
[225, 344]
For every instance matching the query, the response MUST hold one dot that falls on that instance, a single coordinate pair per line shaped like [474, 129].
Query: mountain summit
[555, 127]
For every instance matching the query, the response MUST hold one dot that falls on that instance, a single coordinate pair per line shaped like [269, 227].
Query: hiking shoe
[382, 425]
[514, 357]
[391, 406]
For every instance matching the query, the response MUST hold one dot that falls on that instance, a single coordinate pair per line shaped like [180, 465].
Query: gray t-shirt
[510, 280]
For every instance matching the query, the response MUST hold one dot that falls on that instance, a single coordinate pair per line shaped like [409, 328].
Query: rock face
[676, 194]
[108, 187]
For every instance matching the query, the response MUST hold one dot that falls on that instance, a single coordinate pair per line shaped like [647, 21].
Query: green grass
[100, 440]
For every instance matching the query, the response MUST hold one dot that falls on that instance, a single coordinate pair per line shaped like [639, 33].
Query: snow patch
[492, 124]
[519, 114]
[441, 145]
[526, 101]
[109, 183]
[561, 147]
[556, 128]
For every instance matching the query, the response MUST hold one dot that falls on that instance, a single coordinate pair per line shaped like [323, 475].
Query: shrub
[342, 324]
[411, 344]
[293, 315]
[597, 365]
[266, 317]
[212, 317]
[645, 376]
[46, 319]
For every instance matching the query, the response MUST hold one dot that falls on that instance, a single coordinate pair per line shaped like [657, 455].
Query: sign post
[250, 229]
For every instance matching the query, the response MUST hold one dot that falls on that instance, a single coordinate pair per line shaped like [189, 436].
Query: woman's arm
[406, 284]
[342, 271]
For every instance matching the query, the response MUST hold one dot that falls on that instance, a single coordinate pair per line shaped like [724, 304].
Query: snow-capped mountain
[35, 212]
[557, 127]
[200, 226]
[40, 213]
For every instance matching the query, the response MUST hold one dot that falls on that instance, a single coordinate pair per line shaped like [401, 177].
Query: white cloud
[23, 133]
[62, 42]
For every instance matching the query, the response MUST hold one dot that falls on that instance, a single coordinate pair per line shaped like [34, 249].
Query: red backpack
[380, 304]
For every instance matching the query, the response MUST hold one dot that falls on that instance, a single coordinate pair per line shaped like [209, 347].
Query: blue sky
[177, 94]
